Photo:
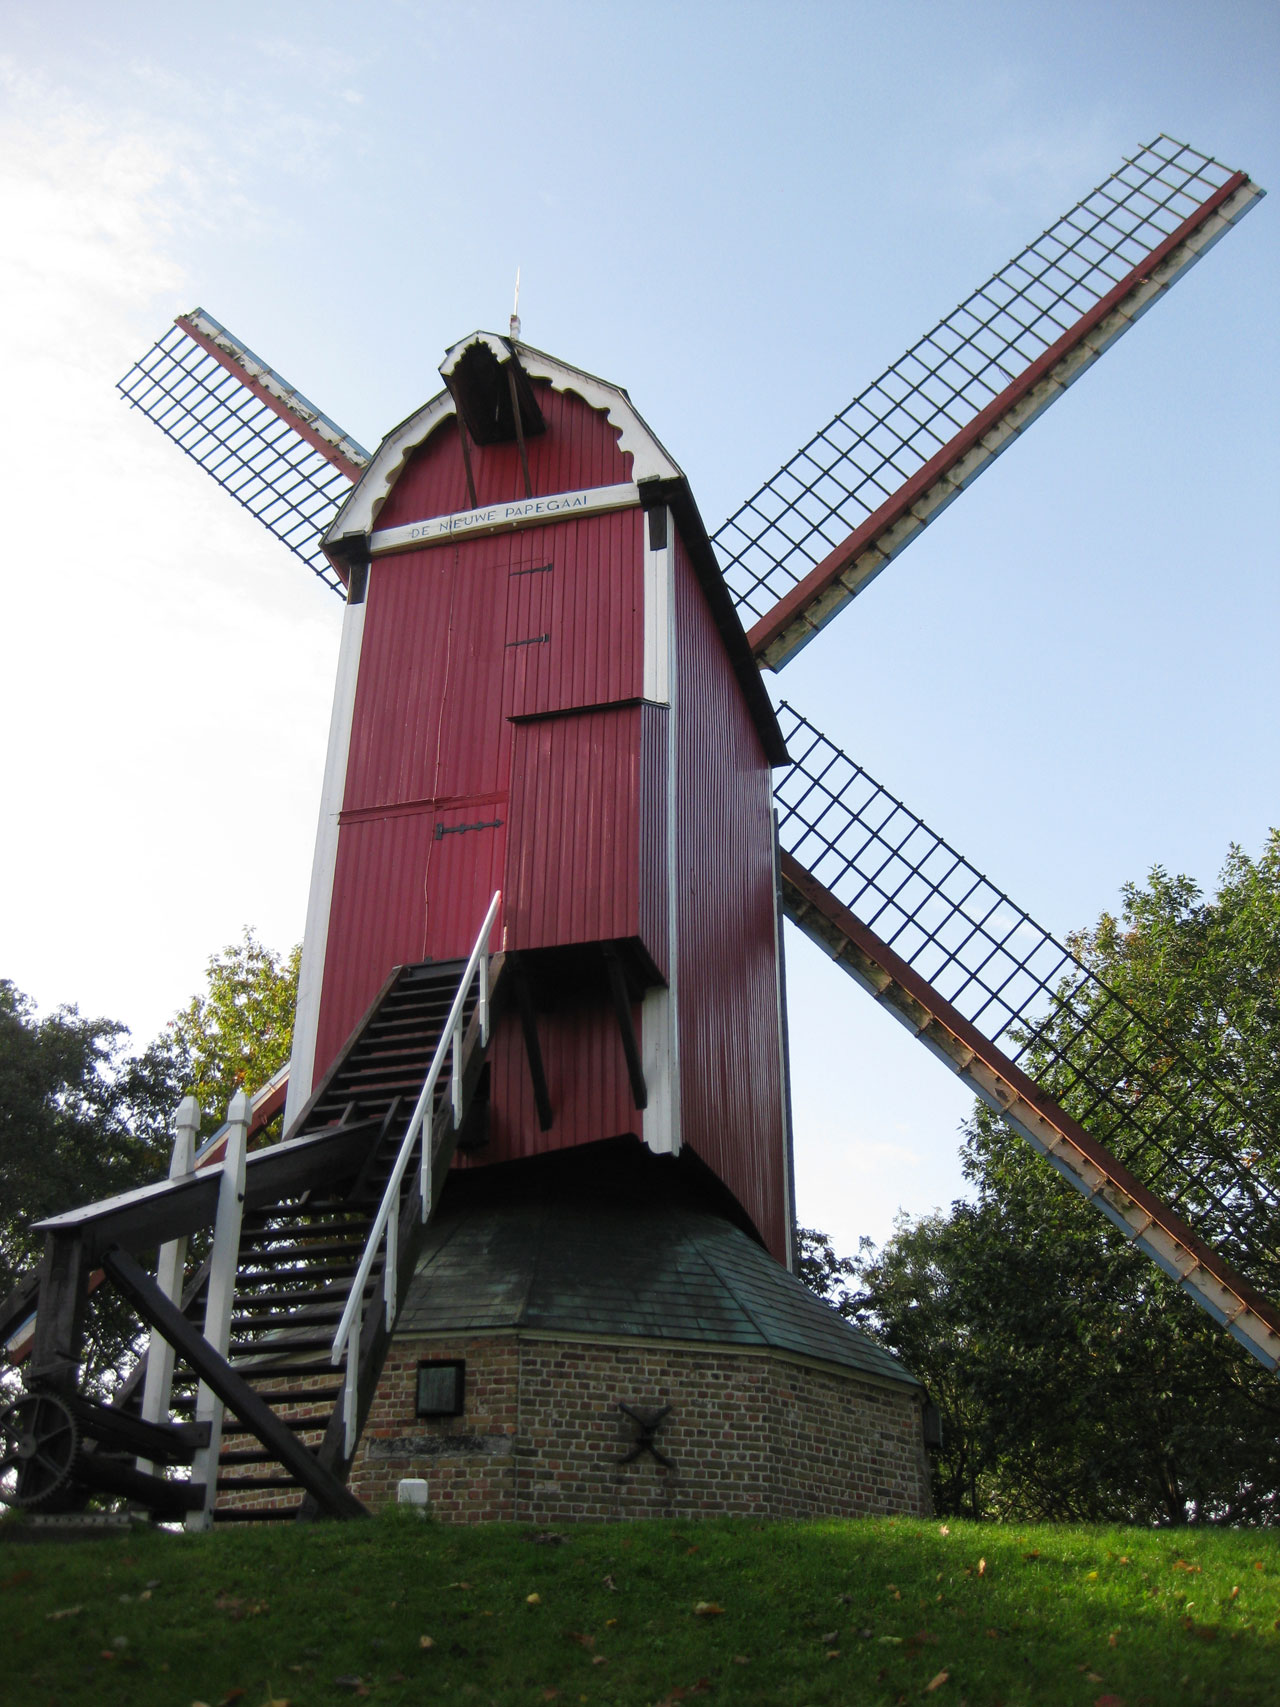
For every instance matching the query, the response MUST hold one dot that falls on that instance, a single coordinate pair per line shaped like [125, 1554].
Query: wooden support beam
[55, 1355]
[256, 1415]
[532, 1048]
[622, 1011]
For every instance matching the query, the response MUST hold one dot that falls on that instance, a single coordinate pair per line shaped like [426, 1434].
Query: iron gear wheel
[39, 1441]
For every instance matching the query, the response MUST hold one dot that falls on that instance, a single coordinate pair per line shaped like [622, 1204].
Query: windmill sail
[260, 439]
[861, 489]
[1153, 1138]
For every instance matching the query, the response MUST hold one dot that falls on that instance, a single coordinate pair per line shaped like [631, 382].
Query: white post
[456, 1077]
[158, 1385]
[483, 1004]
[223, 1263]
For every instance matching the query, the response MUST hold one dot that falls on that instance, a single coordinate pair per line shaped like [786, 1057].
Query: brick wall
[753, 1433]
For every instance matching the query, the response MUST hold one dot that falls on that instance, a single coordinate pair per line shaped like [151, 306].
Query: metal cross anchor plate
[648, 1422]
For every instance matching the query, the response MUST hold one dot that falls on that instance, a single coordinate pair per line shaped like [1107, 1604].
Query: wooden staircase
[292, 1409]
[298, 1259]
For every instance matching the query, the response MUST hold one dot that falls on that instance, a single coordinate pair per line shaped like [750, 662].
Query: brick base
[755, 1433]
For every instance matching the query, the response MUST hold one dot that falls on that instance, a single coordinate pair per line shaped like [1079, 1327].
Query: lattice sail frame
[954, 376]
[259, 438]
[1112, 1069]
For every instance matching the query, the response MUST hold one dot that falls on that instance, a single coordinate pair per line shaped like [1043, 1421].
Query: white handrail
[386, 1221]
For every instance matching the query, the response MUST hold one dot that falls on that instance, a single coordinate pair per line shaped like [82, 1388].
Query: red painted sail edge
[940, 1010]
[277, 405]
[762, 635]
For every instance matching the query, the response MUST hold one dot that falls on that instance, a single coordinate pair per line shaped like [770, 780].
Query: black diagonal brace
[256, 1415]
[622, 1009]
[532, 1048]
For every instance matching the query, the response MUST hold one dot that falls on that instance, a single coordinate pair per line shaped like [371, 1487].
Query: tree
[78, 1120]
[82, 1119]
[1075, 1380]
[238, 1032]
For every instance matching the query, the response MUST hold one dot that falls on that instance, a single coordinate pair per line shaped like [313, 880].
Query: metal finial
[515, 310]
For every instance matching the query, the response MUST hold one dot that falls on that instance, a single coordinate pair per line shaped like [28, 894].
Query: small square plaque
[440, 1388]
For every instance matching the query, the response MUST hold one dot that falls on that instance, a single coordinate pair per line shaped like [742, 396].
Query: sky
[741, 212]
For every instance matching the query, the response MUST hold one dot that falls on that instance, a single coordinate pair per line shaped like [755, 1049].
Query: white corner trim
[649, 460]
[315, 939]
[660, 1015]
[656, 676]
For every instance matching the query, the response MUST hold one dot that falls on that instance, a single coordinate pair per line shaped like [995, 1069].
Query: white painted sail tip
[515, 309]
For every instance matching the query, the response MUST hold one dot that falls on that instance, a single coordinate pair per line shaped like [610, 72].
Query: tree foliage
[238, 1031]
[1075, 1380]
[81, 1118]
[78, 1120]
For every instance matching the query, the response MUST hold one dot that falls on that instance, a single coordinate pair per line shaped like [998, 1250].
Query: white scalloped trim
[649, 460]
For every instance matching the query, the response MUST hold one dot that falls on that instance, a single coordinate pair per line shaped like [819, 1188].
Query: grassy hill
[882, 1611]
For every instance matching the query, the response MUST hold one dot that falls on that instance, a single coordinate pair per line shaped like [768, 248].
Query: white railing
[386, 1223]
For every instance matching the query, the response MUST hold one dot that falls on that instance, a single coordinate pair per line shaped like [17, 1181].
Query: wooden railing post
[158, 1386]
[223, 1262]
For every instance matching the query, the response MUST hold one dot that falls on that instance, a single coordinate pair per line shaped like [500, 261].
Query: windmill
[542, 957]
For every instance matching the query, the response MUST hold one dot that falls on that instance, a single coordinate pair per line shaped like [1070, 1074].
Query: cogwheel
[38, 1443]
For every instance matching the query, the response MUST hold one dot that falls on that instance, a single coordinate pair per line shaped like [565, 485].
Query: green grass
[813, 1613]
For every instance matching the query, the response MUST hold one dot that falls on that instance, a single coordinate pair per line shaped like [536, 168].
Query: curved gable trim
[360, 511]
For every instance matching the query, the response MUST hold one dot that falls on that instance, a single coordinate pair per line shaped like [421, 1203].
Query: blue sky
[741, 213]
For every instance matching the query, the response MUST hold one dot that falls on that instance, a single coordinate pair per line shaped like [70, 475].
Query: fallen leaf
[994, 1635]
[425, 1642]
[831, 1637]
[944, 1529]
[459, 1585]
[891, 1641]
[145, 1595]
[1234, 1592]
[1182, 1565]
[533, 1600]
[982, 1567]
[1092, 1577]
[1028, 1557]
[1257, 1564]
[692, 1549]
[609, 1623]
[609, 1583]
[582, 1641]
[707, 1609]
[599, 1660]
[65, 1612]
[1113, 1639]
[1091, 1676]
[551, 1695]
[833, 1653]
[936, 1682]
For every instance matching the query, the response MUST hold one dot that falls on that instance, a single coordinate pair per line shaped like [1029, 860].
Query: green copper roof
[629, 1263]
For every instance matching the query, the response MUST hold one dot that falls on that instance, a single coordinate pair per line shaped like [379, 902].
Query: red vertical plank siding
[586, 1081]
[574, 851]
[580, 849]
[587, 596]
[730, 1066]
[578, 449]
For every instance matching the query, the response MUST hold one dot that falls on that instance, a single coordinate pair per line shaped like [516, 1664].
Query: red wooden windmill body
[544, 691]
